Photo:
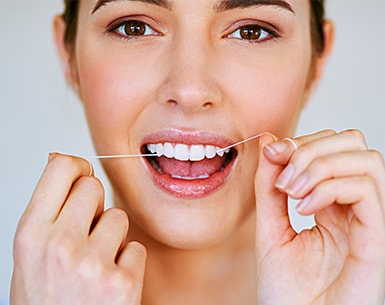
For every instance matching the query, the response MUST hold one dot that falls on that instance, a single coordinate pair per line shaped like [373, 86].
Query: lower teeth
[190, 178]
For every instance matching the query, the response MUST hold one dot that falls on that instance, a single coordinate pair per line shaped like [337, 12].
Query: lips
[188, 165]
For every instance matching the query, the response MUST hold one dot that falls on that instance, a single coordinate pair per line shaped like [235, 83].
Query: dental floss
[155, 155]
[121, 156]
[248, 139]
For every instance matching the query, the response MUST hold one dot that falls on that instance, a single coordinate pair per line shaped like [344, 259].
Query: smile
[188, 170]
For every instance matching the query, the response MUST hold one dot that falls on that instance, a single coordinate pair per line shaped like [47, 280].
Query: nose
[189, 82]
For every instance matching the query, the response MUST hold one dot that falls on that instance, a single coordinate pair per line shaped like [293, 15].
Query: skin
[236, 243]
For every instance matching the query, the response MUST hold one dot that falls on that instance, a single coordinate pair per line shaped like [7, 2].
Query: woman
[181, 78]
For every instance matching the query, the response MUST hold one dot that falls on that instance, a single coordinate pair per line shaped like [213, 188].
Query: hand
[342, 259]
[68, 250]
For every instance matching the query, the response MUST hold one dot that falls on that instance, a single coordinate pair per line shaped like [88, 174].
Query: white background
[39, 113]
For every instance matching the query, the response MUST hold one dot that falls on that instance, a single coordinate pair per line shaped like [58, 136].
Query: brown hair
[70, 17]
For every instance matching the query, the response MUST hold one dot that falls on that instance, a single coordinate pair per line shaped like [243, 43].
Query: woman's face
[196, 74]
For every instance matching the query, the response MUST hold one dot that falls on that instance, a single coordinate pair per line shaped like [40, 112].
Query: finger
[54, 186]
[83, 207]
[346, 141]
[367, 218]
[110, 233]
[339, 165]
[271, 205]
[133, 259]
[281, 151]
[346, 191]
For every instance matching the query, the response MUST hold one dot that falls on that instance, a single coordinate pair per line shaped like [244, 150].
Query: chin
[189, 224]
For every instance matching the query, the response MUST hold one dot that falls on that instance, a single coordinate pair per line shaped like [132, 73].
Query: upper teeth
[185, 152]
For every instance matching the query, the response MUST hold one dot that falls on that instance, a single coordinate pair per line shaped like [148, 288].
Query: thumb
[272, 217]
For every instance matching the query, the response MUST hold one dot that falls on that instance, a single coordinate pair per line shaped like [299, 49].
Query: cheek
[270, 92]
[114, 97]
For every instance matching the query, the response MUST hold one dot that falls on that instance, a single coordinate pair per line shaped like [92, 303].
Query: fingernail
[276, 148]
[303, 204]
[298, 184]
[285, 177]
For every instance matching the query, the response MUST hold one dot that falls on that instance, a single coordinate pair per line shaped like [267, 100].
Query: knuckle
[306, 145]
[68, 163]
[368, 184]
[356, 135]
[24, 243]
[60, 251]
[89, 267]
[64, 258]
[303, 153]
[378, 158]
[319, 166]
[139, 250]
[328, 132]
[91, 183]
[315, 136]
[117, 281]
[118, 215]
[63, 161]
[120, 284]
[119, 219]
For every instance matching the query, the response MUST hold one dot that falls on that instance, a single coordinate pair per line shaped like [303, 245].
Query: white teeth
[168, 150]
[151, 148]
[211, 151]
[159, 149]
[220, 152]
[197, 152]
[183, 152]
[190, 178]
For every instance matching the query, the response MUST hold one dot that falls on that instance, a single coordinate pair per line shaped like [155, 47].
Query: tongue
[205, 167]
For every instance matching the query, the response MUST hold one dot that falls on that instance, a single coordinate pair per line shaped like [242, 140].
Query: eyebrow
[163, 3]
[223, 5]
[226, 5]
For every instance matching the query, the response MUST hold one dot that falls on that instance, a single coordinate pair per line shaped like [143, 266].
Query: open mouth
[188, 162]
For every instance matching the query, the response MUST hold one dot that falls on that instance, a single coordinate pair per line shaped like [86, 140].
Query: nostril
[172, 102]
[207, 105]
[204, 106]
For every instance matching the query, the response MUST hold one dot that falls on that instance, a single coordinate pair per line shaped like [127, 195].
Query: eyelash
[252, 27]
[118, 28]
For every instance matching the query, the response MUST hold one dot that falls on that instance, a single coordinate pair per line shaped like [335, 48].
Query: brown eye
[250, 32]
[134, 28]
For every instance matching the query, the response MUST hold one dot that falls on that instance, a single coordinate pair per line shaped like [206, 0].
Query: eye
[133, 28]
[250, 32]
